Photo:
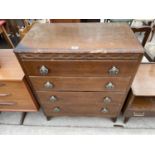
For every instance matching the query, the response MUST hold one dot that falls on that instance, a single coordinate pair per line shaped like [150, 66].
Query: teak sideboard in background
[15, 93]
[80, 69]
[141, 98]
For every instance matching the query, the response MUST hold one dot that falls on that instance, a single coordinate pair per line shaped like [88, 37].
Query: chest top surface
[80, 37]
[144, 82]
[10, 68]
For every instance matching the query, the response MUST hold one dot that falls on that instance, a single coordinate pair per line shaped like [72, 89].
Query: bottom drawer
[81, 103]
[141, 106]
[134, 113]
[16, 96]
[82, 110]
[17, 105]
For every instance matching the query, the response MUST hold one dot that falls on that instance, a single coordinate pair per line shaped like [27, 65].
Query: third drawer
[47, 99]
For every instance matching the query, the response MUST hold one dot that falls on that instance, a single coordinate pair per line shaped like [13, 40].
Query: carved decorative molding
[77, 56]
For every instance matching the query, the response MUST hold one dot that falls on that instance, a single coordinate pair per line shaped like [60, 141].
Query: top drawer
[80, 68]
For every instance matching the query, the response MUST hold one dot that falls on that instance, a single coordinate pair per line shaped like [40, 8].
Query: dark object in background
[89, 20]
[64, 20]
[4, 33]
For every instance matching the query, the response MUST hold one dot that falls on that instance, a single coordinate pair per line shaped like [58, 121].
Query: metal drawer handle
[48, 85]
[104, 110]
[43, 70]
[138, 114]
[109, 85]
[114, 70]
[107, 100]
[4, 95]
[53, 99]
[56, 109]
[7, 103]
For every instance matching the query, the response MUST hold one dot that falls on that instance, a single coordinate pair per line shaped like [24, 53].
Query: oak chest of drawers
[15, 94]
[80, 69]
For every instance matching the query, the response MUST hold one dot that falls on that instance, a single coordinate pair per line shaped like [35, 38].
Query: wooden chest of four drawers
[80, 69]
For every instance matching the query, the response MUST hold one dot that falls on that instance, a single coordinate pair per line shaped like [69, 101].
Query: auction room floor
[36, 123]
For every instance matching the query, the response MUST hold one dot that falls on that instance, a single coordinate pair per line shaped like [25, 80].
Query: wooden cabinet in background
[15, 94]
[141, 99]
[83, 69]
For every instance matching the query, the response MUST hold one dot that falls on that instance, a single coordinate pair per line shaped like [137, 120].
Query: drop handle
[43, 70]
[53, 99]
[109, 85]
[113, 71]
[107, 100]
[56, 109]
[48, 85]
[104, 110]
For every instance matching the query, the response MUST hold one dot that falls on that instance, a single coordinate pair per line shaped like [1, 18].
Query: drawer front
[48, 99]
[79, 83]
[12, 90]
[139, 113]
[141, 106]
[85, 110]
[80, 68]
[24, 105]
[14, 96]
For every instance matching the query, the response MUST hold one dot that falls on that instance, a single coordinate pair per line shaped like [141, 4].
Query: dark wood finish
[141, 100]
[23, 118]
[15, 94]
[84, 110]
[77, 59]
[89, 37]
[79, 83]
[78, 98]
[114, 119]
[126, 119]
[80, 67]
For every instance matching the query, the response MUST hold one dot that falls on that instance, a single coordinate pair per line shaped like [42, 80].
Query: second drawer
[80, 83]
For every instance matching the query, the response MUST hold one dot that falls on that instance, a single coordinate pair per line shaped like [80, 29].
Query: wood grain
[78, 58]
[18, 94]
[15, 94]
[79, 83]
[10, 68]
[82, 110]
[93, 37]
[84, 68]
[144, 82]
[79, 98]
